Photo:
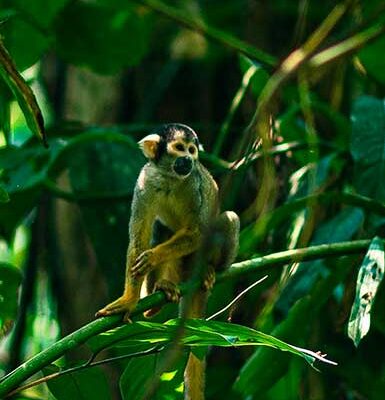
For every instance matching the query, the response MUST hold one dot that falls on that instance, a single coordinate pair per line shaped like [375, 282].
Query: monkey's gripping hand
[144, 264]
[124, 304]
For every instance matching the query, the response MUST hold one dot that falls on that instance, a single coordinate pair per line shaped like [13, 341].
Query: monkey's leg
[166, 280]
[225, 240]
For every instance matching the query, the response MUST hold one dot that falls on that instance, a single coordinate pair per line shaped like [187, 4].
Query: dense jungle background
[287, 99]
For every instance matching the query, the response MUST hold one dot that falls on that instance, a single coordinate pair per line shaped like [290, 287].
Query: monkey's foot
[209, 279]
[171, 292]
[121, 305]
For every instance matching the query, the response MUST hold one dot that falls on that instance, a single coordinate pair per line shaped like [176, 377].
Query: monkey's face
[174, 150]
[182, 154]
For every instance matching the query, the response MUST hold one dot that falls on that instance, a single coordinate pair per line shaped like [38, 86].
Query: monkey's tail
[194, 378]
[194, 374]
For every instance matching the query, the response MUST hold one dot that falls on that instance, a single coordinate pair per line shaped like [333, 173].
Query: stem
[346, 46]
[259, 264]
[239, 96]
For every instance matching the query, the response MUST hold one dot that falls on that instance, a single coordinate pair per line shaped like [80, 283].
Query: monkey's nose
[183, 165]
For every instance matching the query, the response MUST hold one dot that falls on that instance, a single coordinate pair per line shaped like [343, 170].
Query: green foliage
[22, 93]
[295, 136]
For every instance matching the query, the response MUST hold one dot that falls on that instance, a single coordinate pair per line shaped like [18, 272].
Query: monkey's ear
[149, 145]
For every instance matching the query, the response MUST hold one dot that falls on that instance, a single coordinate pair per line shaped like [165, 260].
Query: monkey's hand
[123, 304]
[144, 264]
[208, 279]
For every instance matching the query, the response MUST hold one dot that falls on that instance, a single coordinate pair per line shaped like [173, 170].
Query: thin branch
[236, 298]
[256, 265]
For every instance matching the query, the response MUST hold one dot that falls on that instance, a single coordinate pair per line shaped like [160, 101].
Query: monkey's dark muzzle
[183, 165]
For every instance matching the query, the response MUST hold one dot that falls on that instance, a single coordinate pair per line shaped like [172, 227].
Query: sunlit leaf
[159, 377]
[90, 383]
[10, 279]
[196, 332]
[23, 94]
[369, 278]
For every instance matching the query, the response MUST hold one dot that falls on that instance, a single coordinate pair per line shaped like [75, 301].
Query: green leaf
[41, 11]
[259, 78]
[338, 229]
[90, 383]
[136, 333]
[374, 64]
[368, 146]
[23, 94]
[156, 378]
[111, 39]
[24, 170]
[369, 278]
[10, 280]
[4, 197]
[196, 332]
[25, 41]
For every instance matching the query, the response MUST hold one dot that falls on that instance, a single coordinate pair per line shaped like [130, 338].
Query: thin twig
[236, 298]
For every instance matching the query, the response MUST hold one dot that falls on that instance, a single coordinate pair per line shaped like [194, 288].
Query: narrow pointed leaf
[369, 278]
[23, 94]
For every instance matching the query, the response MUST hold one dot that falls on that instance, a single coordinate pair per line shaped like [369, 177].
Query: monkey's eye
[179, 147]
[191, 150]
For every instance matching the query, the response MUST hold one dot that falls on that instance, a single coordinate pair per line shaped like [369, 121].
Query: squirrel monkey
[175, 225]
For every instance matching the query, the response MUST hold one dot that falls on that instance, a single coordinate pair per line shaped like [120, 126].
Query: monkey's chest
[175, 209]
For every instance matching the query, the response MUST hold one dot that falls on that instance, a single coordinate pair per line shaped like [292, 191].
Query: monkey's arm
[185, 241]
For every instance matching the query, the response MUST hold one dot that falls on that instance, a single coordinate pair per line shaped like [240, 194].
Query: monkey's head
[173, 148]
